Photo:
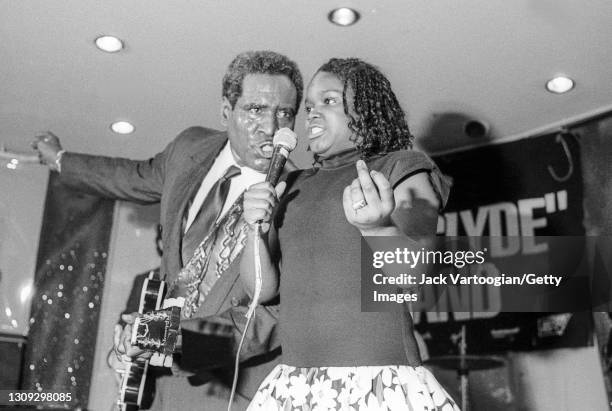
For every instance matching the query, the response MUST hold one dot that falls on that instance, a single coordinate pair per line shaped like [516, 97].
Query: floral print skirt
[393, 388]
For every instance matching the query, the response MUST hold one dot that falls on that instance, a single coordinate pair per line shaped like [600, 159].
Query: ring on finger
[359, 204]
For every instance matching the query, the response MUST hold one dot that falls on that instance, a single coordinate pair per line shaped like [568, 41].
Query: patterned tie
[207, 215]
[211, 259]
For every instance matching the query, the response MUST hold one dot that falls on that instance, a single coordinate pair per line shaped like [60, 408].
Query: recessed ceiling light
[560, 84]
[110, 44]
[122, 127]
[476, 129]
[343, 16]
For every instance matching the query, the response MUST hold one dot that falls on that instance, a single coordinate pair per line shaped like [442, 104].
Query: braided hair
[376, 118]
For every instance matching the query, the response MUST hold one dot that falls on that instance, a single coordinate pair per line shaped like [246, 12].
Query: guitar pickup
[157, 331]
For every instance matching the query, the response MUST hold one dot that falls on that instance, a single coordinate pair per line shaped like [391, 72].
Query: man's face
[267, 103]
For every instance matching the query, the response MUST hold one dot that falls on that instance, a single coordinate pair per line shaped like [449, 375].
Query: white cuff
[58, 161]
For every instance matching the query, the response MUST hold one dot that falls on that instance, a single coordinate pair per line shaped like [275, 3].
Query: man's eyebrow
[253, 104]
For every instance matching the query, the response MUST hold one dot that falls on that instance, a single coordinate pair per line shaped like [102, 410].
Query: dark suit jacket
[171, 178]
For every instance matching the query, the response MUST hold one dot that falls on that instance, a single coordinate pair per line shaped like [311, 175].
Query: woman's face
[326, 123]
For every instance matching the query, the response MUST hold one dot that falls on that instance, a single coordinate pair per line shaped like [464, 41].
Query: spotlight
[110, 44]
[343, 16]
[122, 127]
[560, 85]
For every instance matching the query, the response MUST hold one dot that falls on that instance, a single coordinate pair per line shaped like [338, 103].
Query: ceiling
[448, 61]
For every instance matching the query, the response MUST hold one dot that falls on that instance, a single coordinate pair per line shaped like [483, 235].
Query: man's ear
[226, 109]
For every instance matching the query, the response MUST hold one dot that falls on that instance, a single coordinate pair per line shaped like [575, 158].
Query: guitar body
[135, 370]
[133, 383]
[152, 295]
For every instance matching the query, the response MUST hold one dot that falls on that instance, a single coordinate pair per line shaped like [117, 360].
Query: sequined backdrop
[69, 279]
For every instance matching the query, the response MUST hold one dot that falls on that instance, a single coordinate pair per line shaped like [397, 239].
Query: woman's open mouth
[315, 131]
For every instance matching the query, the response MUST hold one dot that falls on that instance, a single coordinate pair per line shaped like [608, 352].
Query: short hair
[260, 62]
[376, 118]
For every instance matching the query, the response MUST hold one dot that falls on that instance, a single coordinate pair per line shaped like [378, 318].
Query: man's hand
[122, 339]
[48, 146]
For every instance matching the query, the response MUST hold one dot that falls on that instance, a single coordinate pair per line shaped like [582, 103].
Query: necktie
[208, 214]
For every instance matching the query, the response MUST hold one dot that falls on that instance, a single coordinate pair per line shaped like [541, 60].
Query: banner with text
[521, 191]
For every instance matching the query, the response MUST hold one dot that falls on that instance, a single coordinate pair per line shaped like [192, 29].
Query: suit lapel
[193, 169]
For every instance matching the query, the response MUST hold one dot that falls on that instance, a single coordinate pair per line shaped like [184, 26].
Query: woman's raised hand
[368, 201]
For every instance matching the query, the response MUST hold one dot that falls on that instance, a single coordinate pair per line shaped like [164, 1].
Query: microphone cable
[250, 313]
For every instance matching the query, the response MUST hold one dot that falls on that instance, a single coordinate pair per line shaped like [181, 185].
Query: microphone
[284, 142]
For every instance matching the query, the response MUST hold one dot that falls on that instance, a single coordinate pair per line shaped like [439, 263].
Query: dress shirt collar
[226, 159]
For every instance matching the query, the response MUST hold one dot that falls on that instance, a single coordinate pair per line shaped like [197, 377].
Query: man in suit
[261, 93]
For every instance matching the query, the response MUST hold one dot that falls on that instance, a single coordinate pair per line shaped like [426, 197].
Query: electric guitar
[134, 373]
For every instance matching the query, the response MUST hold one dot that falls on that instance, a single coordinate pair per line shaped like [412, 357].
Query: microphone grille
[285, 137]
